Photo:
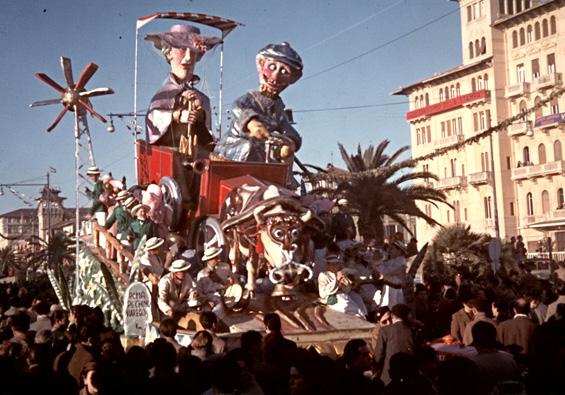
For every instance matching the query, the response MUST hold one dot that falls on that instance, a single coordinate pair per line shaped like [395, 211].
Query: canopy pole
[221, 88]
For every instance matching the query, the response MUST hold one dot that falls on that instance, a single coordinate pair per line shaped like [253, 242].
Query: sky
[355, 53]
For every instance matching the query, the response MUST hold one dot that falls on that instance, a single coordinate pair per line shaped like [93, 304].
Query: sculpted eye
[284, 71]
[272, 67]
[278, 234]
[294, 233]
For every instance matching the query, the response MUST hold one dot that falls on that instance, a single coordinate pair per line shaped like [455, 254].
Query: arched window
[527, 4]
[427, 99]
[552, 25]
[458, 89]
[453, 93]
[529, 34]
[537, 32]
[485, 81]
[522, 108]
[477, 47]
[544, 28]
[526, 152]
[417, 102]
[545, 202]
[560, 199]
[446, 90]
[418, 139]
[514, 39]
[555, 105]
[473, 85]
[518, 6]
[483, 45]
[471, 50]
[510, 7]
[522, 36]
[539, 110]
[557, 151]
[440, 94]
[542, 158]
[529, 204]
[480, 82]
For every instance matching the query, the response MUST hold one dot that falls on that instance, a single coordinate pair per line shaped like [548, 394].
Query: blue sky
[34, 34]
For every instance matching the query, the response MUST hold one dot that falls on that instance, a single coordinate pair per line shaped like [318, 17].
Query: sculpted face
[183, 61]
[275, 76]
[278, 237]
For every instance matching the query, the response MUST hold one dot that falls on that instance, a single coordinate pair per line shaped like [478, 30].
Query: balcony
[545, 169]
[550, 121]
[489, 223]
[517, 129]
[452, 182]
[484, 177]
[523, 88]
[532, 219]
[448, 141]
[447, 105]
[547, 81]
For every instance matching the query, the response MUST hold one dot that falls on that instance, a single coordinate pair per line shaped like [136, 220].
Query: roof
[533, 11]
[21, 212]
[463, 68]
[553, 224]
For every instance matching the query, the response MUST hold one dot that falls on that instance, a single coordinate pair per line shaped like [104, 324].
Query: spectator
[168, 331]
[479, 308]
[518, 330]
[209, 322]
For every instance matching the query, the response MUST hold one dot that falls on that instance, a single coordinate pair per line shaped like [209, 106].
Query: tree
[7, 260]
[377, 186]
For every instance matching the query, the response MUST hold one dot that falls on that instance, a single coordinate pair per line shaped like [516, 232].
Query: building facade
[512, 182]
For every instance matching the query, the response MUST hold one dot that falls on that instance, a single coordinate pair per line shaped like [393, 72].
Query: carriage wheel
[172, 198]
[207, 232]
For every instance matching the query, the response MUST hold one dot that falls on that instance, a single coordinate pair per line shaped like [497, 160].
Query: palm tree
[376, 188]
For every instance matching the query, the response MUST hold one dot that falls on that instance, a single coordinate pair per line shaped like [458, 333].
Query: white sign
[137, 309]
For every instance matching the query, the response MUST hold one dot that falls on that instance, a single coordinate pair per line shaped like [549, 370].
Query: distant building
[513, 57]
[50, 213]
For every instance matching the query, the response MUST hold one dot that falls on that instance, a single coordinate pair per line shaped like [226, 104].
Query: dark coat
[518, 330]
[398, 337]
[459, 320]
[94, 195]
[122, 217]
[137, 229]
[340, 223]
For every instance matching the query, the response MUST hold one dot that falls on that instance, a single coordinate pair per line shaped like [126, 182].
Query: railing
[519, 89]
[550, 121]
[517, 129]
[484, 177]
[557, 255]
[452, 182]
[113, 249]
[547, 81]
[448, 141]
[545, 169]
[449, 104]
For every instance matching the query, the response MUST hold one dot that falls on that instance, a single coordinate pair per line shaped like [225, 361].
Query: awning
[554, 224]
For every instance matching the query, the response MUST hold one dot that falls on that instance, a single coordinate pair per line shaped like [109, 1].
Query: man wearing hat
[150, 262]
[98, 209]
[120, 216]
[177, 291]
[257, 114]
[178, 104]
[141, 225]
[343, 225]
[214, 278]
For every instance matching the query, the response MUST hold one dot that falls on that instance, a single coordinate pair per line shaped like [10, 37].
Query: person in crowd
[257, 114]
[394, 338]
[520, 249]
[494, 366]
[519, 330]
[335, 289]
[356, 360]
[177, 291]
[552, 308]
[343, 225]
[500, 311]
[150, 262]
[140, 226]
[42, 321]
[412, 247]
[277, 349]
[538, 309]
[209, 322]
[405, 377]
[168, 331]
[201, 345]
[479, 307]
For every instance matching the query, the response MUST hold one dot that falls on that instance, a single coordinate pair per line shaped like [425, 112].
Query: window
[508, 163]
[483, 45]
[555, 105]
[527, 4]
[488, 212]
[462, 169]
[510, 6]
[440, 94]
[477, 47]
[429, 134]
[487, 116]
[485, 81]
[475, 122]
[443, 129]
[514, 39]
[453, 163]
[457, 89]
[539, 110]
[545, 202]
[511, 209]
[427, 99]
[471, 50]
[551, 63]
[522, 36]
[544, 28]
[541, 154]
[453, 93]
[482, 120]
[520, 73]
[526, 155]
[418, 141]
[535, 69]
[469, 14]
[446, 93]
[560, 199]
[519, 6]
[523, 108]
[552, 25]
[529, 204]
[457, 211]
[460, 125]
[557, 151]
[537, 32]
[465, 213]
[480, 82]
[473, 85]
[417, 102]
[448, 127]
[484, 161]
[529, 34]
